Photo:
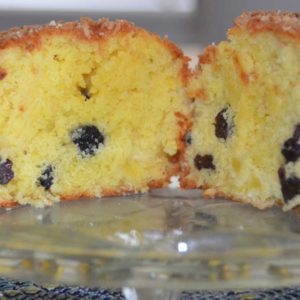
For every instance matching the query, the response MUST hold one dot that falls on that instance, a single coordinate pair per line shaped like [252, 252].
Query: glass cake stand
[152, 245]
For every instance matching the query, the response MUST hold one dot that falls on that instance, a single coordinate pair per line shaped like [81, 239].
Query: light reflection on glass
[182, 247]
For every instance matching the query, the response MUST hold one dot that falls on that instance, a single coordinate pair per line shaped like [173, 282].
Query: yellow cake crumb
[119, 83]
[246, 109]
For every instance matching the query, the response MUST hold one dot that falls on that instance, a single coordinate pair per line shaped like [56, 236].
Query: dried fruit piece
[290, 187]
[296, 134]
[204, 162]
[88, 139]
[222, 128]
[6, 172]
[291, 147]
[291, 150]
[46, 179]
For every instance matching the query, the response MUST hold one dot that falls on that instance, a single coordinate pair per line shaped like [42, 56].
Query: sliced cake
[245, 141]
[89, 108]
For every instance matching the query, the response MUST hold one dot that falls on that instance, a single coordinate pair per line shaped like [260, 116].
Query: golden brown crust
[177, 53]
[187, 183]
[208, 56]
[9, 204]
[29, 37]
[86, 196]
[155, 184]
[283, 23]
[85, 29]
[108, 192]
[105, 193]
[280, 23]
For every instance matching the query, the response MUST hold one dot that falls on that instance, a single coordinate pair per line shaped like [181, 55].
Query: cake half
[89, 108]
[245, 141]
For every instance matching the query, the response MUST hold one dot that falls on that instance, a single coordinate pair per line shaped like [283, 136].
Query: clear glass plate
[167, 239]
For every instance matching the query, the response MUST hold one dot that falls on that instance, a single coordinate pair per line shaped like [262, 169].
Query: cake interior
[87, 117]
[246, 116]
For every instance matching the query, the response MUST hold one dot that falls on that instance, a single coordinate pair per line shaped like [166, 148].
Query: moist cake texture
[245, 141]
[88, 108]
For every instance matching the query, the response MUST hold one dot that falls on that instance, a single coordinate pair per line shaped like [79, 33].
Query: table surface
[11, 289]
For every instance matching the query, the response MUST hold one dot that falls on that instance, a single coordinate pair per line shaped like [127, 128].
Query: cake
[245, 140]
[88, 109]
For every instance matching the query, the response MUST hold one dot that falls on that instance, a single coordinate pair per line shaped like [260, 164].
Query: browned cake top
[86, 29]
[275, 21]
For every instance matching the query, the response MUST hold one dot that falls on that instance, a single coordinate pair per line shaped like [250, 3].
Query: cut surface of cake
[245, 141]
[89, 108]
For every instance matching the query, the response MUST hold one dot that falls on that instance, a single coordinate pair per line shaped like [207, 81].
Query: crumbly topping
[29, 37]
[87, 27]
[277, 21]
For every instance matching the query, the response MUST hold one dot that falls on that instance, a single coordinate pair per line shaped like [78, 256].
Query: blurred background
[187, 22]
